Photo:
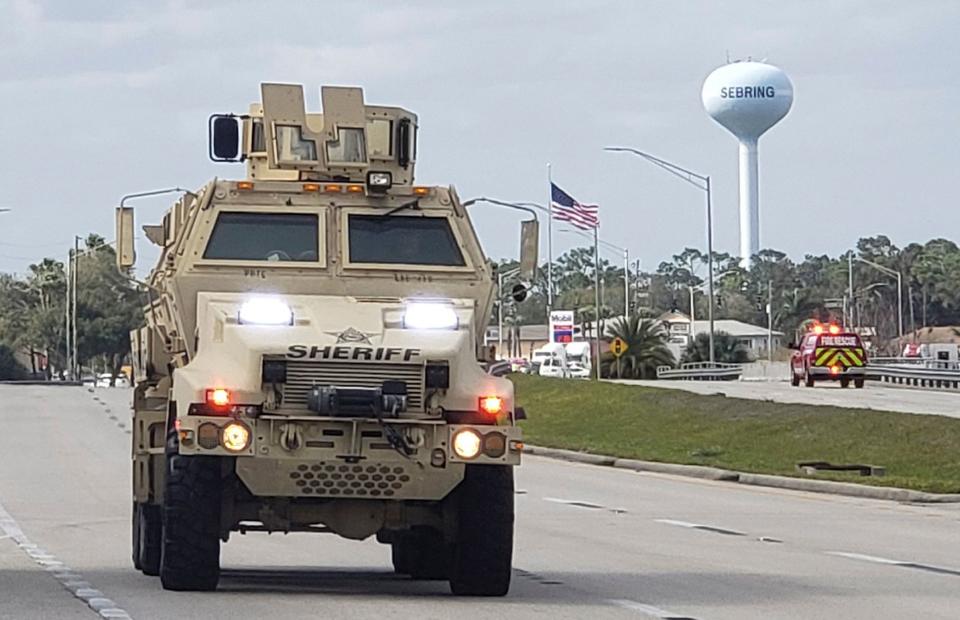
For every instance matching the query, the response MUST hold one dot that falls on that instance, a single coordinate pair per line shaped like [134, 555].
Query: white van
[552, 358]
[579, 360]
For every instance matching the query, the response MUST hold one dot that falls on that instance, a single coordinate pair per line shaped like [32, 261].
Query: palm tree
[646, 348]
[725, 348]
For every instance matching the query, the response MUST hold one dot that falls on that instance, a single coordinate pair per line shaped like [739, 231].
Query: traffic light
[719, 301]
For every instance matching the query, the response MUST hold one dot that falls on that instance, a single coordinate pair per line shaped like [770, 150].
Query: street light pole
[896, 274]
[702, 183]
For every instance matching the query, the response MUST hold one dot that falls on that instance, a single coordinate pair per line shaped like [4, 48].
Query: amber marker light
[311, 187]
[491, 405]
[218, 397]
[333, 188]
[354, 189]
[244, 185]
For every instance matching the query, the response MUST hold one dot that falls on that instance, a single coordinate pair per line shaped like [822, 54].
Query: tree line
[33, 310]
[818, 286]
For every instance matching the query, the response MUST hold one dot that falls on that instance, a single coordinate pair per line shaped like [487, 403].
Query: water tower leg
[749, 204]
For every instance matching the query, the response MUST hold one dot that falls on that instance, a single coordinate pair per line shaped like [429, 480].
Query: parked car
[103, 380]
[576, 370]
[553, 367]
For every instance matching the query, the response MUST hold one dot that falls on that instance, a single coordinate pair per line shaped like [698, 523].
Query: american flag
[566, 209]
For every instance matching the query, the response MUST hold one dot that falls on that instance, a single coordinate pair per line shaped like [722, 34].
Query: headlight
[265, 311]
[466, 444]
[430, 315]
[235, 437]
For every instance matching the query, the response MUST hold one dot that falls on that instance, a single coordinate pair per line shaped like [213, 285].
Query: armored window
[403, 240]
[348, 148]
[380, 136]
[257, 142]
[280, 237]
[292, 147]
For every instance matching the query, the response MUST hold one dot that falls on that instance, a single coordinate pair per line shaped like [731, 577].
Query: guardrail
[924, 362]
[701, 371]
[916, 376]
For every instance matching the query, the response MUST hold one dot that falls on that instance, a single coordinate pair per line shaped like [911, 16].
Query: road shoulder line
[72, 581]
[850, 489]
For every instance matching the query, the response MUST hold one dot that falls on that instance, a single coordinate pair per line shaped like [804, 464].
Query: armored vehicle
[312, 359]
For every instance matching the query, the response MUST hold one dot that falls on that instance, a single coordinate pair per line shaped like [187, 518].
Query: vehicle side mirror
[126, 251]
[529, 248]
[793, 345]
[224, 137]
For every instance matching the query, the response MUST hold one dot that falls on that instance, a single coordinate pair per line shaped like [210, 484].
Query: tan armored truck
[311, 360]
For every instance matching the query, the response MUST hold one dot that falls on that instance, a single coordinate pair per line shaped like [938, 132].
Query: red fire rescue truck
[827, 353]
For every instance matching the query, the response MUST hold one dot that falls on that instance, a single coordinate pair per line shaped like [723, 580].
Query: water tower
[748, 98]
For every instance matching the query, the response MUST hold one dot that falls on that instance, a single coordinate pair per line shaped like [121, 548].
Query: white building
[752, 337]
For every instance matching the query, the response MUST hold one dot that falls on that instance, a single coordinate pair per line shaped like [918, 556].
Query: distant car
[578, 371]
[103, 380]
[520, 365]
[553, 367]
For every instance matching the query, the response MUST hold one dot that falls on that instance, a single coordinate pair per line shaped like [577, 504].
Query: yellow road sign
[618, 347]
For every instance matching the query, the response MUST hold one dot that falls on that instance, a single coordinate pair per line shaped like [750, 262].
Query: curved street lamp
[702, 183]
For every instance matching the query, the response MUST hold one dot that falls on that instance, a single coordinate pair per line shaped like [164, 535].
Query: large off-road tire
[425, 554]
[147, 538]
[190, 558]
[794, 378]
[844, 382]
[482, 556]
[858, 383]
[400, 556]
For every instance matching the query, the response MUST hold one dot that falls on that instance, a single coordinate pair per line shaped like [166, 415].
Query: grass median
[920, 452]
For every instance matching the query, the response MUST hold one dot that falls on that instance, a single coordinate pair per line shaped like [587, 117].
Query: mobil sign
[561, 326]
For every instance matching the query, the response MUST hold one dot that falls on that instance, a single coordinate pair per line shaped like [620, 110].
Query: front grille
[303, 375]
[330, 479]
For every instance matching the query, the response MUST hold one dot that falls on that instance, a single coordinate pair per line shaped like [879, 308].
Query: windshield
[279, 237]
[403, 240]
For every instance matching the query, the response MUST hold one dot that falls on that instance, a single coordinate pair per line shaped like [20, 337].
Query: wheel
[400, 556]
[147, 533]
[807, 378]
[794, 378]
[482, 556]
[844, 382]
[421, 553]
[858, 383]
[190, 557]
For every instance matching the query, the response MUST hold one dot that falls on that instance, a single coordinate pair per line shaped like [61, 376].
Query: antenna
[748, 98]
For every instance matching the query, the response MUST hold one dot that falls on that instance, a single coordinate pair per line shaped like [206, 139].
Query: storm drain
[333, 479]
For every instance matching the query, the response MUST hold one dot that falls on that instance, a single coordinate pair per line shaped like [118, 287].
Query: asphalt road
[591, 543]
[872, 396]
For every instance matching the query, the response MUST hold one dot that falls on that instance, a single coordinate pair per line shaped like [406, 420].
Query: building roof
[738, 329]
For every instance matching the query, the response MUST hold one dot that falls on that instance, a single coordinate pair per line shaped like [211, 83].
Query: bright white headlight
[430, 315]
[265, 311]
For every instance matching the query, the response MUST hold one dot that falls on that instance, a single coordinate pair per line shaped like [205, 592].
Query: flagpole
[549, 243]
[596, 290]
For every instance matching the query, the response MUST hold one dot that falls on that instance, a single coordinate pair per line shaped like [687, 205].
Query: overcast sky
[103, 98]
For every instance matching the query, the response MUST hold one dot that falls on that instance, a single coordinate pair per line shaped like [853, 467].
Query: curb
[47, 383]
[850, 489]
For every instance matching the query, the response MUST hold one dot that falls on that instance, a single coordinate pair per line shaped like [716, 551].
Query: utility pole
[770, 321]
[68, 352]
[75, 369]
[596, 288]
[850, 283]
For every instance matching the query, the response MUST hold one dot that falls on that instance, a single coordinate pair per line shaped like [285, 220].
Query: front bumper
[311, 456]
[850, 372]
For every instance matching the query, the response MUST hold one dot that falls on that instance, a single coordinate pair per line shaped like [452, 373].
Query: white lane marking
[573, 502]
[865, 558]
[930, 568]
[69, 579]
[701, 526]
[648, 610]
